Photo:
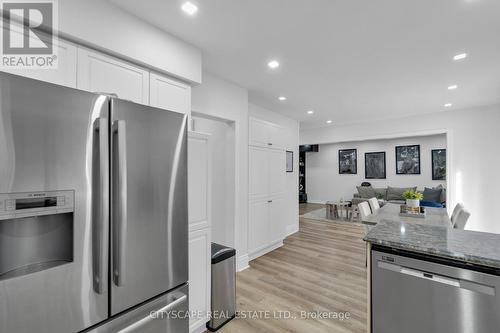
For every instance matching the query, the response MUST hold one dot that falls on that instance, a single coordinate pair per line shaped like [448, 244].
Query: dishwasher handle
[419, 274]
[463, 284]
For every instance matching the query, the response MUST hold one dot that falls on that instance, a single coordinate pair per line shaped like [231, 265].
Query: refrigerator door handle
[101, 131]
[120, 202]
[153, 315]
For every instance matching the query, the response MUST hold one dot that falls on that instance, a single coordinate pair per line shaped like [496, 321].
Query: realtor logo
[28, 34]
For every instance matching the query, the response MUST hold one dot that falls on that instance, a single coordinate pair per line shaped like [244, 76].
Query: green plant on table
[412, 195]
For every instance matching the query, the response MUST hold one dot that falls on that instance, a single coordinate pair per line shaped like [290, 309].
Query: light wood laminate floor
[320, 268]
[305, 208]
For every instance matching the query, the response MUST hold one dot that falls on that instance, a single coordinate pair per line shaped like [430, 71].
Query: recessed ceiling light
[189, 8]
[452, 87]
[460, 56]
[282, 98]
[310, 112]
[328, 121]
[273, 64]
[447, 105]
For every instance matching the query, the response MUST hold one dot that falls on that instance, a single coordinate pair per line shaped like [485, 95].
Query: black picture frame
[348, 161]
[372, 170]
[408, 160]
[289, 161]
[438, 157]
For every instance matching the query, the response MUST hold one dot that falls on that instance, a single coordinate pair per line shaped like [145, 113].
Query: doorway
[222, 138]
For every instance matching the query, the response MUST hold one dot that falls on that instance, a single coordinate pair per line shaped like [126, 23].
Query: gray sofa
[390, 194]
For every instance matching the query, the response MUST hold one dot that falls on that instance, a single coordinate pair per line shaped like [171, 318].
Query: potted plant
[412, 198]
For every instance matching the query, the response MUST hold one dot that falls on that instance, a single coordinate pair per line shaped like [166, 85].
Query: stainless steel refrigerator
[93, 212]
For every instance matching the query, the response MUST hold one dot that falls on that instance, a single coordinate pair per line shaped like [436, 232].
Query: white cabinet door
[266, 134]
[64, 74]
[258, 220]
[259, 132]
[199, 277]
[259, 171]
[169, 94]
[199, 180]
[277, 219]
[102, 73]
[277, 171]
[277, 136]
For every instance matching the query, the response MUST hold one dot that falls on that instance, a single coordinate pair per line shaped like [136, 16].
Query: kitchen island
[429, 278]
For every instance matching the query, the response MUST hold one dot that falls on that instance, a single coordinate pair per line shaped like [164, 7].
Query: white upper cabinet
[169, 94]
[266, 134]
[105, 74]
[64, 74]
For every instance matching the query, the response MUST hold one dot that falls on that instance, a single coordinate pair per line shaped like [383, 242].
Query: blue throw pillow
[426, 203]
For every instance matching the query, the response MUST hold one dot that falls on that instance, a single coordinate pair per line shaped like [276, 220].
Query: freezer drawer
[165, 314]
[415, 295]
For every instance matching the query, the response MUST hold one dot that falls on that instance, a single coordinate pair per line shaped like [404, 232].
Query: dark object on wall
[289, 161]
[302, 177]
[375, 165]
[309, 148]
[408, 160]
[438, 164]
[302, 170]
[366, 184]
[348, 162]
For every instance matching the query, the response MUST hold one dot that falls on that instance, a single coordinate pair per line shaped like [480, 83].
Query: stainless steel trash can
[223, 305]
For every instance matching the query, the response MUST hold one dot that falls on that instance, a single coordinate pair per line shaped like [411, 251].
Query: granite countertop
[467, 246]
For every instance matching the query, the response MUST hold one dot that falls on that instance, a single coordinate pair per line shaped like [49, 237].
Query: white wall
[324, 183]
[221, 99]
[223, 177]
[292, 178]
[100, 24]
[473, 138]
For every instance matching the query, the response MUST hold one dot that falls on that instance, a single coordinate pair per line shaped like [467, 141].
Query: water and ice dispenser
[36, 231]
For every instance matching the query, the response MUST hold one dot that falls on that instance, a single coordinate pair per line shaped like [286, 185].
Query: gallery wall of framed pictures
[375, 165]
[408, 162]
[348, 161]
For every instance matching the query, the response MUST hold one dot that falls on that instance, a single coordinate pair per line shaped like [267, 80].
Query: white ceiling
[348, 60]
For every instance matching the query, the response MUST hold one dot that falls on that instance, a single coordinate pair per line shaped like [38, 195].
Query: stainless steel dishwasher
[414, 293]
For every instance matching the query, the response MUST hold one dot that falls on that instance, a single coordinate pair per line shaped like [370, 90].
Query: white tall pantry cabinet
[199, 189]
[267, 166]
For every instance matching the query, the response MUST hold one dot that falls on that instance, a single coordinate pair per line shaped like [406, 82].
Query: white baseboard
[200, 329]
[242, 263]
[291, 229]
[265, 250]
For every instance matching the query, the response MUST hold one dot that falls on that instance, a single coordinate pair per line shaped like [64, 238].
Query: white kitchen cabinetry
[199, 278]
[266, 225]
[169, 94]
[98, 72]
[64, 74]
[266, 134]
[267, 186]
[199, 202]
[267, 172]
